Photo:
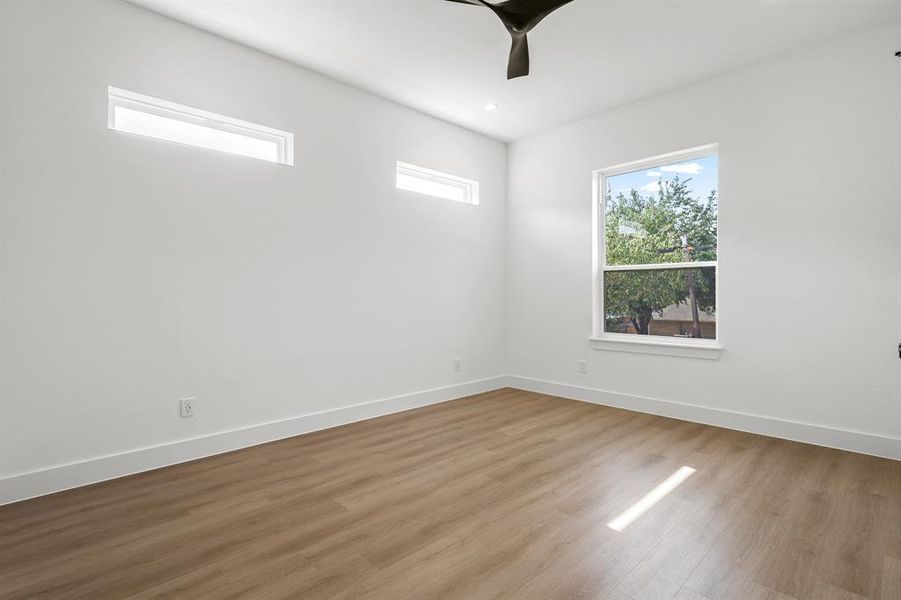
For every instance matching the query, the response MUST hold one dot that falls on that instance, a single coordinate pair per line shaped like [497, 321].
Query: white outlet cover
[187, 407]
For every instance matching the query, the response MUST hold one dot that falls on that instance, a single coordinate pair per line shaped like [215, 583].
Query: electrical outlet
[458, 364]
[583, 366]
[187, 407]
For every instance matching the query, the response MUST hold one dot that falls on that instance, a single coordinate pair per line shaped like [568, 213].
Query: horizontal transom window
[417, 179]
[138, 114]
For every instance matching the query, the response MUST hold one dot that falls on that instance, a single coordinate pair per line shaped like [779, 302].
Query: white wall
[810, 316]
[137, 272]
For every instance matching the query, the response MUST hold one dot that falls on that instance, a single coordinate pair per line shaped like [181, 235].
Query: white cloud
[653, 173]
[692, 168]
[650, 188]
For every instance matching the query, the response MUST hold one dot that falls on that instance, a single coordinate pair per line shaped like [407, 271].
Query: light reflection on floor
[650, 499]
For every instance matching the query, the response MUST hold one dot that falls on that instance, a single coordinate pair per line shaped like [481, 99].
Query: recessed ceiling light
[491, 106]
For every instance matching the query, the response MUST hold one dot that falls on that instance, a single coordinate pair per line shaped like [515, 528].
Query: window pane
[662, 215]
[135, 113]
[430, 187]
[173, 130]
[667, 302]
[421, 180]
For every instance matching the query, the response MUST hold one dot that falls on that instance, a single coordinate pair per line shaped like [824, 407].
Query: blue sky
[702, 171]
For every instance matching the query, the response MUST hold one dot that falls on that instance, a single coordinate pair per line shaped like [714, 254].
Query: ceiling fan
[519, 17]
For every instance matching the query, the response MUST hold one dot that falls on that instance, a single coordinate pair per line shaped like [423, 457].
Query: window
[656, 250]
[144, 115]
[436, 184]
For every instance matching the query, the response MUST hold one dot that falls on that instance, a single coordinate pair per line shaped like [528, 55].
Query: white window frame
[283, 140]
[644, 344]
[469, 187]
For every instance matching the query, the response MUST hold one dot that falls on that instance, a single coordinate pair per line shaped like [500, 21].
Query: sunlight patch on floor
[650, 499]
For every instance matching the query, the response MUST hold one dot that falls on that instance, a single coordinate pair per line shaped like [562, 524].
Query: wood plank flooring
[501, 495]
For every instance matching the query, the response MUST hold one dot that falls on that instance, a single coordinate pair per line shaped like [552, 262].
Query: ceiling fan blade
[519, 17]
[543, 8]
[518, 64]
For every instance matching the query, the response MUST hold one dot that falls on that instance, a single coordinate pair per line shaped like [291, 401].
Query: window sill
[708, 349]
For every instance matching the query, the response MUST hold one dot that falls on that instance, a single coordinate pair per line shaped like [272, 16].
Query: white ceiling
[449, 59]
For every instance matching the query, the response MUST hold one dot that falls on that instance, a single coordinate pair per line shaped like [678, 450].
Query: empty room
[450, 299]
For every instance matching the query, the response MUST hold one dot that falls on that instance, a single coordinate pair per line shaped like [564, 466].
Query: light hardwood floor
[501, 495]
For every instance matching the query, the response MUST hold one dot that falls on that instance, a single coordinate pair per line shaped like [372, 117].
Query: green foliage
[651, 230]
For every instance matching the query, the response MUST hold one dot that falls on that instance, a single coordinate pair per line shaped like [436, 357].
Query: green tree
[670, 226]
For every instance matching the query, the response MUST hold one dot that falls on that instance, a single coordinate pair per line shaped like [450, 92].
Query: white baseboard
[56, 479]
[820, 435]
